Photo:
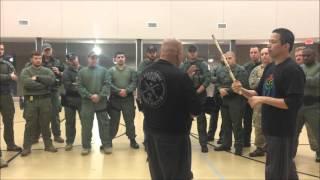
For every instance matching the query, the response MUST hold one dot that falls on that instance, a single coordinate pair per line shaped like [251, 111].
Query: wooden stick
[225, 60]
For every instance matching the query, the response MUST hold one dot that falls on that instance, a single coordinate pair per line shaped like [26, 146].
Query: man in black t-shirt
[169, 101]
[280, 92]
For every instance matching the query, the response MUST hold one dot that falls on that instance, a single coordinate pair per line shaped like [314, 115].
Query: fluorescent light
[97, 50]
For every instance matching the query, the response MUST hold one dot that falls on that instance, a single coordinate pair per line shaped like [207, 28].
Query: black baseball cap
[151, 49]
[46, 46]
[192, 48]
[71, 56]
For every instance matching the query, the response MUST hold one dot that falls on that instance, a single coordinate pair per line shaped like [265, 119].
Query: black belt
[73, 95]
[32, 97]
[310, 100]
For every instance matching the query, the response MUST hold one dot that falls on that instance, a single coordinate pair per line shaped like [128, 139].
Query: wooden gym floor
[126, 163]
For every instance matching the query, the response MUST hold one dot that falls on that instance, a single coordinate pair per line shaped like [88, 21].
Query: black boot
[238, 152]
[14, 148]
[134, 144]
[204, 149]
[258, 152]
[25, 152]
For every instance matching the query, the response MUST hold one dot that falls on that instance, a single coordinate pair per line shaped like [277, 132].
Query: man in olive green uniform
[11, 60]
[200, 75]
[94, 90]
[214, 116]
[7, 75]
[152, 54]
[72, 99]
[232, 107]
[123, 81]
[254, 80]
[57, 67]
[151, 58]
[36, 81]
[309, 113]
[247, 119]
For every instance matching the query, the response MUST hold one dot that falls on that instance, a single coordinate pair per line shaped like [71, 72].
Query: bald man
[233, 105]
[309, 113]
[169, 101]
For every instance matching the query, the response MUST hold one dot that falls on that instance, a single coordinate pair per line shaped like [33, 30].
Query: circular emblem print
[152, 89]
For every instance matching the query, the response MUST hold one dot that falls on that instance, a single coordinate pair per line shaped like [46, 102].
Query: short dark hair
[286, 36]
[255, 47]
[36, 53]
[119, 53]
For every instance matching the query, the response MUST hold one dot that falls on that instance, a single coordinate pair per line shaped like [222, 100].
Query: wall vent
[222, 25]
[152, 24]
[23, 22]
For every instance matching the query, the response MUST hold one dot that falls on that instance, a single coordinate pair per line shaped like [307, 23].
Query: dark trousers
[247, 124]
[280, 164]
[232, 113]
[37, 111]
[87, 118]
[309, 116]
[7, 111]
[213, 124]
[70, 114]
[202, 122]
[169, 156]
[54, 119]
[126, 106]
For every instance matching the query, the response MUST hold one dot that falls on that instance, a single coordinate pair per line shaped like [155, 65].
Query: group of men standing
[236, 112]
[108, 93]
[87, 90]
[280, 95]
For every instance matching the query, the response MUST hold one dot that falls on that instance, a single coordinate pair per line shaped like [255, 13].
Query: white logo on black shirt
[152, 89]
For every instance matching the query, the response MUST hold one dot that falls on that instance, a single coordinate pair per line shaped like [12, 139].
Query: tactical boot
[256, 153]
[134, 144]
[25, 152]
[51, 149]
[14, 148]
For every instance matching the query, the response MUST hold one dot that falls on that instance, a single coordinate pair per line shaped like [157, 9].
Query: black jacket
[71, 98]
[6, 68]
[169, 99]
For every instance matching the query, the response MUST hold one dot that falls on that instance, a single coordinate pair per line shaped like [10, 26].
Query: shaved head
[230, 53]
[309, 56]
[231, 58]
[171, 51]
